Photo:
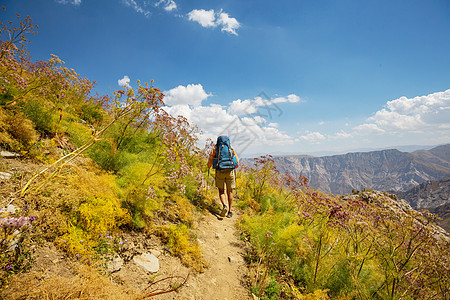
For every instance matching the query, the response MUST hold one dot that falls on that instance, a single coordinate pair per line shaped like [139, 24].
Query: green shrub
[42, 115]
[6, 97]
[16, 131]
[183, 244]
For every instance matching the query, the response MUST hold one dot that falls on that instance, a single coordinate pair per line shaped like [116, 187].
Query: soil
[222, 249]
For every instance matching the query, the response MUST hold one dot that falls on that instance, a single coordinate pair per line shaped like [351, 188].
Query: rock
[232, 260]
[217, 235]
[5, 175]
[147, 261]
[12, 209]
[155, 252]
[7, 154]
[115, 264]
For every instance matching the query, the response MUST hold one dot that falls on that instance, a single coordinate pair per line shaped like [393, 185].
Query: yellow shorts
[225, 177]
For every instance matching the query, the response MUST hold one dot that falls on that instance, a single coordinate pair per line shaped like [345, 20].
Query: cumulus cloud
[368, 129]
[192, 94]
[292, 98]
[394, 121]
[313, 137]
[206, 18]
[228, 24]
[137, 7]
[209, 18]
[239, 107]
[418, 114]
[262, 106]
[125, 81]
[246, 132]
[259, 119]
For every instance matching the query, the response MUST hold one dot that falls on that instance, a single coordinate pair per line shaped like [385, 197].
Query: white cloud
[423, 114]
[73, 2]
[206, 18]
[179, 110]
[248, 132]
[275, 125]
[313, 137]
[421, 104]
[368, 129]
[259, 119]
[209, 18]
[416, 114]
[228, 24]
[239, 107]
[168, 5]
[391, 120]
[267, 107]
[138, 8]
[192, 94]
[289, 99]
[341, 135]
[125, 81]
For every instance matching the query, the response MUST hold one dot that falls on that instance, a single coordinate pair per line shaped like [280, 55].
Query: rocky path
[222, 249]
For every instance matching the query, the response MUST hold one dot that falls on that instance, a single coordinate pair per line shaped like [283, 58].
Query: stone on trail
[115, 264]
[7, 154]
[147, 261]
[232, 260]
[12, 209]
[5, 175]
[155, 252]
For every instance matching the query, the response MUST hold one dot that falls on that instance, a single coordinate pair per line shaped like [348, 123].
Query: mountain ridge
[388, 170]
[402, 148]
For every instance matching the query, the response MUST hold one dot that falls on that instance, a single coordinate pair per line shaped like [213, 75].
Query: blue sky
[277, 77]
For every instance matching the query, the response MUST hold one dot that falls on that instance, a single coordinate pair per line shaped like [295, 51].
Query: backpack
[224, 158]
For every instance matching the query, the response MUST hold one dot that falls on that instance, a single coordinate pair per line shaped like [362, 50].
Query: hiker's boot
[224, 211]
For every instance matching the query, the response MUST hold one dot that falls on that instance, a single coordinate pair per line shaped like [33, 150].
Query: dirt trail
[222, 249]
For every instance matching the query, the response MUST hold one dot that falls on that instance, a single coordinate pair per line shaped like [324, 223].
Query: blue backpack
[224, 158]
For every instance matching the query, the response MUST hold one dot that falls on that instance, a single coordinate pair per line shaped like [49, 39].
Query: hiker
[224, 160]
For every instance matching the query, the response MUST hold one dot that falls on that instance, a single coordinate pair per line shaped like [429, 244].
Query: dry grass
[86, 283]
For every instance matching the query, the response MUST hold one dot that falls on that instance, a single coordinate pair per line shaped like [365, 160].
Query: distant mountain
[403, 148]
[427, 195]
[432, 195]
[443, 212]
[385, 170]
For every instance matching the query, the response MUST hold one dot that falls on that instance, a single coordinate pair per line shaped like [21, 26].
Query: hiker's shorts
[225, 177]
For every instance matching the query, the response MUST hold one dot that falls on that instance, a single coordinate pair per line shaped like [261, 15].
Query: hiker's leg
[222, 196]
[220, 184]
[231, 184]
[230, 198]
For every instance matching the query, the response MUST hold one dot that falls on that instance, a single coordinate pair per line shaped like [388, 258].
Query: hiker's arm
[211, 157]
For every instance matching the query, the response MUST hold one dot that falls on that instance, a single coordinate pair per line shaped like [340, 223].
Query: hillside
[381, 170]
[428, 194]
[432, 195]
